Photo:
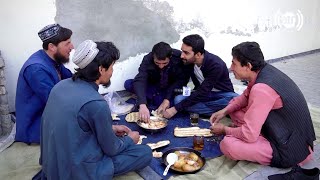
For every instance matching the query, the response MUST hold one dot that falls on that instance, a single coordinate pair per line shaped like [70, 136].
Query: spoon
[171, 159]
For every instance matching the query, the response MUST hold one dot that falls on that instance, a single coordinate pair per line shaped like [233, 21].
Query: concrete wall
[281, 27]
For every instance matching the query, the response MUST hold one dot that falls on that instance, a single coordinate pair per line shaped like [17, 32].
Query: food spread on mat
[187, 162]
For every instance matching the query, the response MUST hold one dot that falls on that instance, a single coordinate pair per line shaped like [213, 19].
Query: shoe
[297, 173]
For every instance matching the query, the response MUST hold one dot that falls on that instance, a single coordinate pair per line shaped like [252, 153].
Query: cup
[194, 119]
[198, 142]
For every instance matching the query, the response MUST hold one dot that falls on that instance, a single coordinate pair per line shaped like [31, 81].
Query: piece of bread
[192, 131]
[154, 113]
[141, 138]
[158, 144]
[115, 117]
[153, 124]
[157, 154]
[132, 117]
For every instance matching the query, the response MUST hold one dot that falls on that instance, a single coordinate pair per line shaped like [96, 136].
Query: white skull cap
[85, 53]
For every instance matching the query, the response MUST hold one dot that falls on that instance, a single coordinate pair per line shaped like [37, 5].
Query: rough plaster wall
[131, 25]
[222, 23]
[136, 25]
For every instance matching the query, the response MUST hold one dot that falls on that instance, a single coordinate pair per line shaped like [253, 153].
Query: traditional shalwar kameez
[78, 141]
[36, 79]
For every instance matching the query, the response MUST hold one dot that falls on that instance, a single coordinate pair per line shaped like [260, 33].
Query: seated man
[37, 77]
[160, 72]
[78, 140]
[213, 87]
[272, 123]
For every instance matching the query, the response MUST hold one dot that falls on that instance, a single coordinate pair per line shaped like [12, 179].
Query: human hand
[163, 106]
[134, 135]
[144, 113]
[217, 116]
[218, 128]
[168, 113]
[120, 130]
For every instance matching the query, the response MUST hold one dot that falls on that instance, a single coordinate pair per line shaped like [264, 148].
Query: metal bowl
[183, 150]
[155, 129]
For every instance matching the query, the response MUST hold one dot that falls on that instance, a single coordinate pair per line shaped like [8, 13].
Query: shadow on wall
[129, 24]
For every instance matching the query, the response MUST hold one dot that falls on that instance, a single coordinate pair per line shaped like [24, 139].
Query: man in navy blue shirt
[210, 76]
[37, 76]
[160, 72]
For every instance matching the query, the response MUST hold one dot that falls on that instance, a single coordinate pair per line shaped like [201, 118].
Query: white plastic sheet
[117, 104]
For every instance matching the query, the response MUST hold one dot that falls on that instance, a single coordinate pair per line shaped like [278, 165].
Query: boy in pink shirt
[272, 123]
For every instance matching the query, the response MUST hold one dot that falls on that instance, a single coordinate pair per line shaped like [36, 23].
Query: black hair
[195, 41]
[249, 52]
[108, 54]
[63, 35]
[161, 51]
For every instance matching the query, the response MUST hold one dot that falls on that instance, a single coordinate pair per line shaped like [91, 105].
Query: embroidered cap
[85, 53]
[49, 32]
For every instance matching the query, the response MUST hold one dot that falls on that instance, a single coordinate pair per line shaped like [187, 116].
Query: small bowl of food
[189, 160]
[156, 124]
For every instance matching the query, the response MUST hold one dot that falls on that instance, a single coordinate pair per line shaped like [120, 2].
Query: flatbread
[154, 113]
[141, 139]
[158, 144]
[156, 154]
[115, 117]
[192, 131]
[132, 117]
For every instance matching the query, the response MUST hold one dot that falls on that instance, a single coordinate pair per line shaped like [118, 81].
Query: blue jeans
[216, 101]
[155, 95]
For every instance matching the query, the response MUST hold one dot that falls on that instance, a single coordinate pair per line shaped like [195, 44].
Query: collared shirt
[199, 76]
[174, 75]
[215, 74]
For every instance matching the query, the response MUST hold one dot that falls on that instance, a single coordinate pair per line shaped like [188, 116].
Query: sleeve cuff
[230, 108]
[128, 140]
[227, 130]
